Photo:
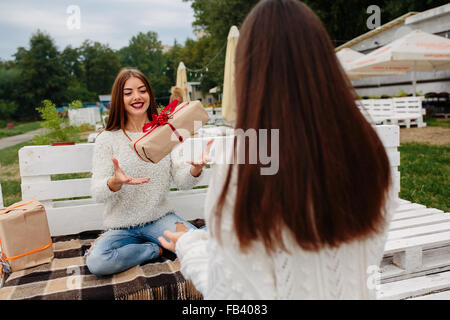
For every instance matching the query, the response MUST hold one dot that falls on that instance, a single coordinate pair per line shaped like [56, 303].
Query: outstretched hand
[202, 160]
[173, 237]
[120, 178]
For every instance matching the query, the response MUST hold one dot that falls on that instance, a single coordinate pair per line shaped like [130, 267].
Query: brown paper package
[24, 229]
[161, 141]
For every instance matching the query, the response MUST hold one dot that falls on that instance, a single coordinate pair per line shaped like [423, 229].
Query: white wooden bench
[396, 111]
[411, 108]
[372, 115]
[418, 240]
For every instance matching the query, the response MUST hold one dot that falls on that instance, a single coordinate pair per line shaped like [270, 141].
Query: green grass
[9, 174]
[9, 155]
[19, 128]
[437, 122]
[425, 174]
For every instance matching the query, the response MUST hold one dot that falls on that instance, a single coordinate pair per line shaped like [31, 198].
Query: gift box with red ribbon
[170, 127]
[25, 239]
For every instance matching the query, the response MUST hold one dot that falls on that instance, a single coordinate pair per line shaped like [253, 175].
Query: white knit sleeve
[102, 168]
[180, 171]
[191, 249]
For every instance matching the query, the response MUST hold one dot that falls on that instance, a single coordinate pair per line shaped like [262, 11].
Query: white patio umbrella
[347, 56]
[416, 51]
[182, 80]
[229, 89]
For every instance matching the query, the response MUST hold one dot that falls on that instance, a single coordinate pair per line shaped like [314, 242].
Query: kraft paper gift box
[173, 125]
[25, 239]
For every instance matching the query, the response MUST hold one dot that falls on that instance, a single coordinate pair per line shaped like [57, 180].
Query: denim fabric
[117, 250]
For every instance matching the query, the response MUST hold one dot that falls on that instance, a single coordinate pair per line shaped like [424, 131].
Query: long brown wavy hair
[334, 172]
[117, 115]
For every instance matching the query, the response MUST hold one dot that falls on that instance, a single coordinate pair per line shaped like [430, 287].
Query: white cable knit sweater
[135, 204]
[223, 272]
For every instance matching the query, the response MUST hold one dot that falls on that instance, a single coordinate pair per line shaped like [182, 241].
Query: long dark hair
[117, 115]
[333, 169]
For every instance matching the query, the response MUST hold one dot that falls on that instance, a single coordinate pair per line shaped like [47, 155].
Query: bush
[59, 130]
[76, 104]
[7, 109]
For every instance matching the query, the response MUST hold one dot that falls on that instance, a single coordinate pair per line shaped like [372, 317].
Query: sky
[112, 22]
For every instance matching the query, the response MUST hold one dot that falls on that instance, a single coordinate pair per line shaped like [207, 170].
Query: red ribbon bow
[162, 118]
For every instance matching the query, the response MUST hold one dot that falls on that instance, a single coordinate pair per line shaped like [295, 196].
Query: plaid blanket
[68, 278]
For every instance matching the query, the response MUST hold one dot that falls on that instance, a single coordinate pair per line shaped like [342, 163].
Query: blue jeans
[117, 250]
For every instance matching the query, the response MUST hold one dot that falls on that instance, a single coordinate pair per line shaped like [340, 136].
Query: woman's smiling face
[136, 97]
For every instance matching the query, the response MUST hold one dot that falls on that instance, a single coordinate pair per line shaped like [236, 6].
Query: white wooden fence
[80, 116]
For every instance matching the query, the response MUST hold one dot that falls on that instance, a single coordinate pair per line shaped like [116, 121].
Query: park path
[432, 135]
[11, 141]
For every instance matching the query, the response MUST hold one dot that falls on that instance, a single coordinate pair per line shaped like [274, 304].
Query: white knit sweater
[135, 205]
[222, 271]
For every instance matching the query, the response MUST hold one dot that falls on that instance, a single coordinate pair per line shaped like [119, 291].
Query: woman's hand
[173, 237]
[198, 165]
[120, 178]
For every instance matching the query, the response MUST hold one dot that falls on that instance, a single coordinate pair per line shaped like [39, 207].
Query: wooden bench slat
[75, 219]
[426, 241]
[48, 160]
[415, 213]
[419, 231]
[445, 295]
[414, 286]
[57, 189]
[420, 221]
[409, 206]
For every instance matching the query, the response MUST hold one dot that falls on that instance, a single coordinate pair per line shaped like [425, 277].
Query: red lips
[137, 105]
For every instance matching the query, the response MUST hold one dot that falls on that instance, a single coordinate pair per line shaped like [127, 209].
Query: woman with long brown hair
[314, 228]
[136, 208]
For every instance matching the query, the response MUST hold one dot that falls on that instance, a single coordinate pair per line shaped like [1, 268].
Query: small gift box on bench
[172, 126]
[25, 239]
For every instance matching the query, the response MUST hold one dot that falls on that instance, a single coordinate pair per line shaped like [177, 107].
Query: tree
[343, 19]
[217, 16]
[101, 65]
[144, 52]
[172, 61]
[72, 61]
[9, 79]
[42, 74]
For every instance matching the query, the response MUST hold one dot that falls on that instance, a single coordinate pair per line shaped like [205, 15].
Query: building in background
[105, 100]
[435, 21]
[166, 48]
[196, 94]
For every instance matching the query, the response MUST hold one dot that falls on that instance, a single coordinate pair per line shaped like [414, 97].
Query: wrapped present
[25, 239]
[172, 126]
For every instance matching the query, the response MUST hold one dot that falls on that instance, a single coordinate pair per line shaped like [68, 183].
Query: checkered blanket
[68, 278]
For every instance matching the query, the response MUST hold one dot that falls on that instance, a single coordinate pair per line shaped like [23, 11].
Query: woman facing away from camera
[136, 209]
[316, 228]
